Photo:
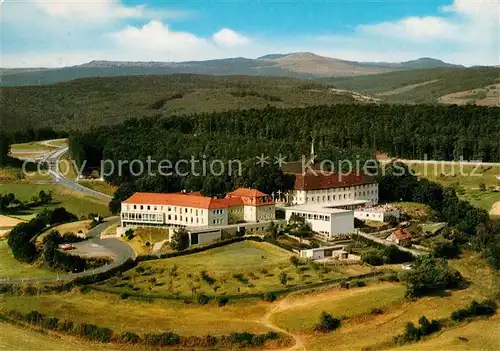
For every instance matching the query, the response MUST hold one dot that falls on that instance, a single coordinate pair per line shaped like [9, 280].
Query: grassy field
[99, 186]
[74, 202]
[11, 268]
[340, 303]
[459, 175]
[22, 339]
[144, 236]
[141, 317]
[478, 335]
[34, 145]
[364, 330]
[241, 268]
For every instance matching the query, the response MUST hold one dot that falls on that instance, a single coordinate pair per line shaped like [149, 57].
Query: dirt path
[495, 209]
[266, 320]
[299, 300]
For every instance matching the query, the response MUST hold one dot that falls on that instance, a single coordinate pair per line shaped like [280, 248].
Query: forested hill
[420, 85]
[439, 132]
[89, 103]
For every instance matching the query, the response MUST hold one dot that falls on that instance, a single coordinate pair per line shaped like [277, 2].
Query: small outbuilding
[401, 237]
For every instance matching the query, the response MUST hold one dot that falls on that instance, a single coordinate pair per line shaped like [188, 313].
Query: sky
[55, 33]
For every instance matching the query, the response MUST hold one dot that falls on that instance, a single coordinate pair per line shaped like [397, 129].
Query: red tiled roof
[402, 234]
[176, 199]
[246, 192]
[321, 180]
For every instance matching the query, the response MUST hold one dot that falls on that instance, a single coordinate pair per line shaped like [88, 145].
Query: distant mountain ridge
[297, 65]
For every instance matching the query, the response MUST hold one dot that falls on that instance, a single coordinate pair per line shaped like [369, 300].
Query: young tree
[180, 239]
[283, 278]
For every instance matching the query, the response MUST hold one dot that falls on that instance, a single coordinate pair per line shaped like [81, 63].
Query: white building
[315, 187]
[327, 221]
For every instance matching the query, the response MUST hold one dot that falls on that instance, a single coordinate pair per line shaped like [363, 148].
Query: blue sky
[52, 33]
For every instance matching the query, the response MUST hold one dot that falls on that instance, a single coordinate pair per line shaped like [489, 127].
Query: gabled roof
[246, 192]
[402, 234]
[176, 199]
[326, 180]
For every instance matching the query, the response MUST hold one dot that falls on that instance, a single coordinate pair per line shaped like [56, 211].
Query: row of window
[310, 216]
[340, 197]
[148, 217]
[195, 211]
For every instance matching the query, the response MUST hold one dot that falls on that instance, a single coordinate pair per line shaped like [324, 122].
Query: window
[149, 207]
[135, 207]
[142, 207]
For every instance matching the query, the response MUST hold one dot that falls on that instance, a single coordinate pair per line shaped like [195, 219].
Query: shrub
[66, 326]
[475, 309]
[124, 295]
[34, 317]
[327, 323]
[163, 339]
[412, 333]
[222, 301]
[427, 327]
[203, 299]
[295, 261]
[283, 278]
[130, 338]
[94, 332]
[207, 279]
[269, 297]
[51, 323]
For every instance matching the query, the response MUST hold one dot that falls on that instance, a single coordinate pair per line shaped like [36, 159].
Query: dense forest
[415, 132]
[83, 104]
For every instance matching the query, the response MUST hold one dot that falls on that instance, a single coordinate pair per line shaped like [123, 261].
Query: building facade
[326, 221]
[196, 211]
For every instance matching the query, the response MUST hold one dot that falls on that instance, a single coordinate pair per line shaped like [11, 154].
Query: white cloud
[414, 28]
[228, 37]
[68, 33]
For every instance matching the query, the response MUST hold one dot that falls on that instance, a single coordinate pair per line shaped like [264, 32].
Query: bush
[163, 339]
[124, 295]
[475, 309]
[203, 299]
[327, 323]
[34, 317]
[412, 333]
[269, 297]
[428, 275]
[66, 326]
[51, 323]
[94, 332]
[130, 338]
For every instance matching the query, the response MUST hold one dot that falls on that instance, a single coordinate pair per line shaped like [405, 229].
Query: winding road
[115, 248]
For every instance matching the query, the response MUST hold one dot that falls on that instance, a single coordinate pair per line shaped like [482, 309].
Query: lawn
[108, 310]
[10, 268]
[306, 308]
[143, 236]
[80, 205]
[241, 268]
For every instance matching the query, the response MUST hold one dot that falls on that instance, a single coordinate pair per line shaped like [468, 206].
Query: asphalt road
[115, 248]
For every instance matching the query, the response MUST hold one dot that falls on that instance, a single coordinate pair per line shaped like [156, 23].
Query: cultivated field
[241, 268]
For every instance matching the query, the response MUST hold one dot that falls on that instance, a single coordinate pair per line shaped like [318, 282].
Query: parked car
[67, 247]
